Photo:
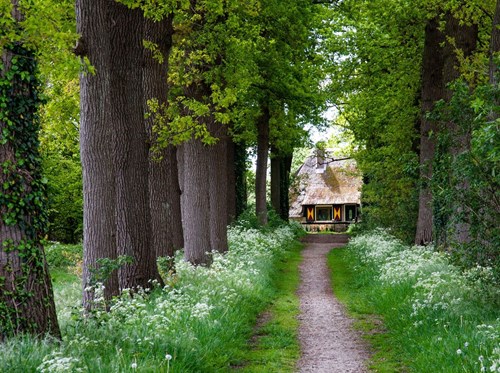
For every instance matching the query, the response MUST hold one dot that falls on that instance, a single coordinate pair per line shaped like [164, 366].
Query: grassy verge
[434, 317]
[200, 322]
[274, 346]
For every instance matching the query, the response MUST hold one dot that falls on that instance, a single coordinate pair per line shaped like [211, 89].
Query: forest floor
[327, 339]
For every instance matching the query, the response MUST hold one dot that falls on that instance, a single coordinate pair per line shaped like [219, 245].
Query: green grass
[418, 311]
[274, 346]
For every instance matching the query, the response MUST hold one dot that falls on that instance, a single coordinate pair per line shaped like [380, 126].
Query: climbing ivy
[23, 190]
[22, 199]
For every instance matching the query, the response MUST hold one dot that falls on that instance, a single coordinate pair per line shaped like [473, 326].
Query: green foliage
[63, 256]
[374, 85]
[23, 189]
[422, 313]
[106, 266]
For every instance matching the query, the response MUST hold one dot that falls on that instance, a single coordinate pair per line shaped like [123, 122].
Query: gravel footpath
[327, 341]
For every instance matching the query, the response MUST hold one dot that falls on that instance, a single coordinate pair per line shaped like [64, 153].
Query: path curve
[327, 341]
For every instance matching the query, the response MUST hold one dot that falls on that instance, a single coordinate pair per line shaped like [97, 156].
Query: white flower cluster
[441, 291]
[57, 363]
[375, 248]
[194, 303]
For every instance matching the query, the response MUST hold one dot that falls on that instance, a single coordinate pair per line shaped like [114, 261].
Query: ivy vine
[22, 197]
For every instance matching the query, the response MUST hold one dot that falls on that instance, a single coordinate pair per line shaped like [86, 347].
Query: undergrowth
[420, 312]
[200, 322]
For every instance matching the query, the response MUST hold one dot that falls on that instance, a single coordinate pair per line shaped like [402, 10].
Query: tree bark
[433, 89]
[164, 191]
[276, 181]
[96, 139]
[133, 225]
[195, 202]
[286, 166]
[439, 68]
[261, 170]
[495, 46]
[218, 170]
[26, 296]
[466, 38]
[231, 181]
[240, 164]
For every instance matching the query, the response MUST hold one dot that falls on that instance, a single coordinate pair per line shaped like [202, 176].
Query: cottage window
[323, 213]
[351, 212]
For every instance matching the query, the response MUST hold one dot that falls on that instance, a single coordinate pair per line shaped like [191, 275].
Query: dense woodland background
[162, 102]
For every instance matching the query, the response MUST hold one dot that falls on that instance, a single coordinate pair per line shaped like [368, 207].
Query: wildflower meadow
[199, 321]
[436, 316]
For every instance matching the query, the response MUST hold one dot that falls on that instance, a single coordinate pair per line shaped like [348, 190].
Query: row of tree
[171, 93]
[416, 83]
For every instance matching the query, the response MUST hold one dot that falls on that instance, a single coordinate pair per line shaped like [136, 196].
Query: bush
[63, 256]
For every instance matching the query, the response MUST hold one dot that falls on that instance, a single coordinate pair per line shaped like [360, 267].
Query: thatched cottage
[326, 193]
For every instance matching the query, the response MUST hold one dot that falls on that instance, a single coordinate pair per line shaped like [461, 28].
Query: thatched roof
[325, 182]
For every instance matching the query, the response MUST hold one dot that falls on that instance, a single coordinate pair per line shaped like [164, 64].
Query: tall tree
[164, 191]
[218, 179]
[130, 147]
[96, 144]
[495, 46]
[261, 167]
[433, 90]
[26, 297]
[440, 68]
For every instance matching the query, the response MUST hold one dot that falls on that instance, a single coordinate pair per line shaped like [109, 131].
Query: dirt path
[327, 340]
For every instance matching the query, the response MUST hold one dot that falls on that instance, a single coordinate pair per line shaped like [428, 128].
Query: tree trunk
[26, 296]
[231, 181]
[439, 68]
[466, 38]
[280, 183]
[276, 181]
[133, 226]
[96, 139]
[240, 165]
[217, 169]
[495, 47]
[286, 166]
[195, 202]
[433, 89]
[261, 170]
[164, 191]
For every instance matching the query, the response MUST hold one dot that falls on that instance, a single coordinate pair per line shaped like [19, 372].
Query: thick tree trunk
[261, 170]
[164, 191]
[96, 139]
[26, 297]
[439, 69]
[195, 202]
[466, 38]
[133, 226]
[433, 89]
[217, 169]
